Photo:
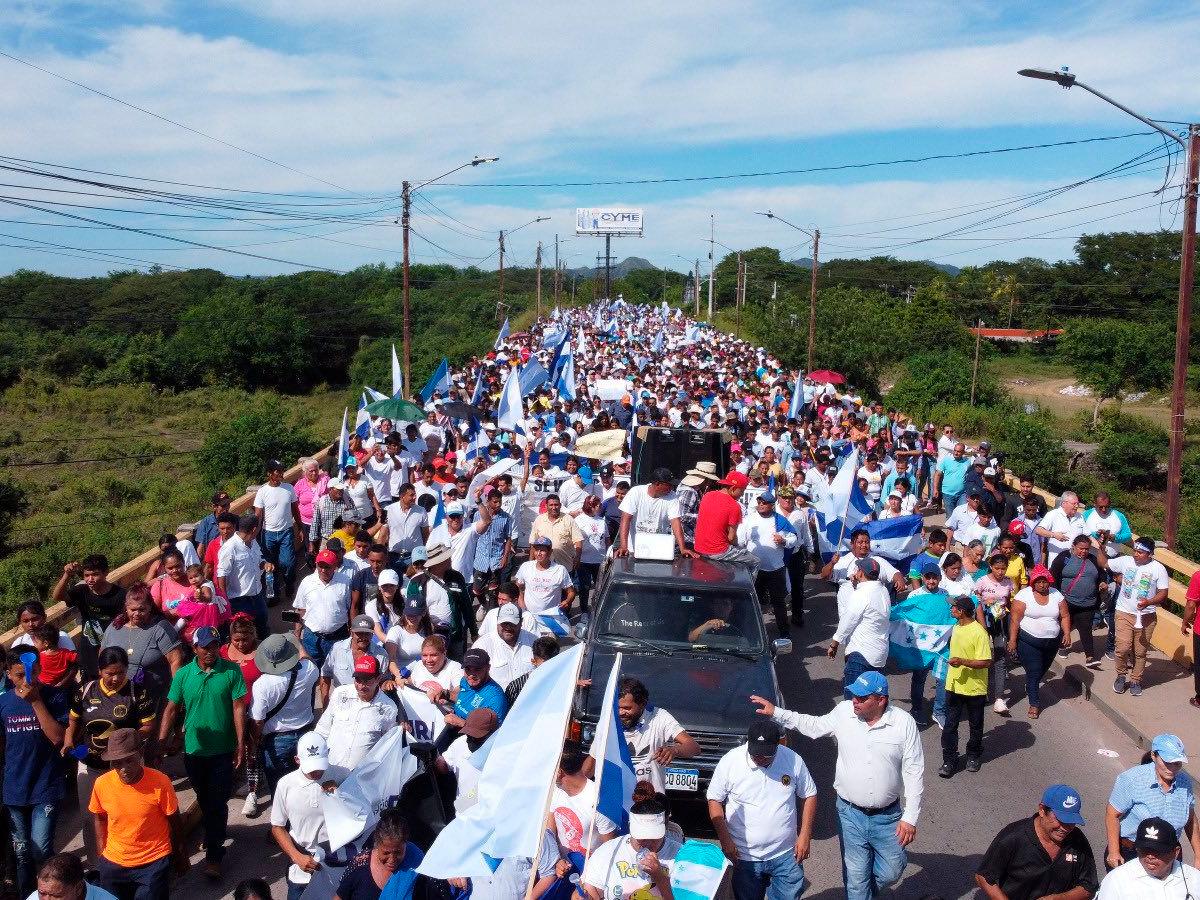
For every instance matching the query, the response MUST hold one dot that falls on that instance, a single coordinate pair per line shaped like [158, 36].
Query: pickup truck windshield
[676, 618]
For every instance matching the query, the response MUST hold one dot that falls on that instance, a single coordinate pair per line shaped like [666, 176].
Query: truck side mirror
[781, 646]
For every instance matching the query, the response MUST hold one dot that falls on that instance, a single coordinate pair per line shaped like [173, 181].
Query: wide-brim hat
[704, 471]
[278, 654]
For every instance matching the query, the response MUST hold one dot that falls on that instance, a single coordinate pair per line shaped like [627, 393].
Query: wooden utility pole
[812, 298]
[1183, 333]
[557, 272]
[975, 368]
[737, 293]
[539, 279]
[406, 332]
[501, 266]
[696, 282]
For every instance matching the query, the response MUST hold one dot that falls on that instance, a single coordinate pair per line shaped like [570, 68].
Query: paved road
[960, 815]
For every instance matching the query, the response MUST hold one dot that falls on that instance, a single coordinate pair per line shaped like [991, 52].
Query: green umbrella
[397, 409]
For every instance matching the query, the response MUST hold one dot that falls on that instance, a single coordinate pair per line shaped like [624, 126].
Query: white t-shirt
[1040, 621]
[653, 731]
[595, 538]
[543, 587]
[575, 818]
[1138, 583]
[1057, 521]
[296, 806]
[651, 515]
[276, 504]
[297, 713]
[449, 677]
[407, 644]
[761, 803]
[614, 870]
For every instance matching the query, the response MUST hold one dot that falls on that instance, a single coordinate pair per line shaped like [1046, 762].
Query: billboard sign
[608, 220]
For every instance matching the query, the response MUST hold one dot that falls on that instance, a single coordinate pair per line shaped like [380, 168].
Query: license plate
[683, 779]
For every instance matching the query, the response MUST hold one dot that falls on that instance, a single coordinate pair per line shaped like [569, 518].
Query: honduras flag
[510, 415]
[532, 376]
[344, 443]
[438, 381]
[919, 632]
[553, 338]
[566, 375]
[397, 377]
[477, 394]
[504, 330]
[362, 419]
[897, 540]
[657, 346]
[797, 400]
[439, 512]
[615, 776]
[477, 441]
[842, 509]
[515, 782]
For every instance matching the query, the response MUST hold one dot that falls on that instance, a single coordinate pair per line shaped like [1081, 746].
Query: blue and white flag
[612, 327]
[439, 381]
[598, 320]
[797, 401]
[477, 394]
[373, 395]
[362, 419]
[343, 451]
[615, 776]
[504, 330]
[897, 540]
[518, 775]
[842, 508]
[579, 345]
[555, 315]
[919, 632]
[510, 414]
[532, 376]
[353, 809]
[477, 441]
[697, 871]
[553, 338]
[666, 311]
[397, 377]
[439, 511]
[657, 346]
[565, 385]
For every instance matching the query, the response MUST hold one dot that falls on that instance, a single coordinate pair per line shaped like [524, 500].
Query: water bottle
[405, 672]
[270, 583]
[79, 751]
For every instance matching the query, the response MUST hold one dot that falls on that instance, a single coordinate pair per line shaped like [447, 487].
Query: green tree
[234, 454]
[940, 377]
[1111, 356]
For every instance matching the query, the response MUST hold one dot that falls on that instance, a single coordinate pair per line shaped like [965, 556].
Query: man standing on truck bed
[654, 736]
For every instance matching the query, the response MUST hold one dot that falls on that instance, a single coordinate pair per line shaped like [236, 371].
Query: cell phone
[291, 615]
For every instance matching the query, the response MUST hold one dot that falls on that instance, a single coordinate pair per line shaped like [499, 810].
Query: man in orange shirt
[137, 823]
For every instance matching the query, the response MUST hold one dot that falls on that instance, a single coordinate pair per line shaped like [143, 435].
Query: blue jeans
[148, 882]
[279, 547]
[856, 664]
[212, 780]
[317, 646]
[951, 501]
[278, 754]
[32, 829]
[872, 857]
[781, 878]
[918, 694]
[296, 891]
[253, 605]
[1036, 655]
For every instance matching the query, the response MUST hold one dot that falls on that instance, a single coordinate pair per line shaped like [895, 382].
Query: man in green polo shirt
[212, 695]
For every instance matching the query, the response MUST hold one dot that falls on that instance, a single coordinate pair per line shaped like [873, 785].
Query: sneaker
[250, 807]
[1064, 652]
[940, 721]
[1000, 707]
[947, 770]
[1110, 654]
[1120, 685]
[1135, 689]
[973, 764]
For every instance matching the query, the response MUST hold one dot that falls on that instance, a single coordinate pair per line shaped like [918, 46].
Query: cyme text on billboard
[608, 220]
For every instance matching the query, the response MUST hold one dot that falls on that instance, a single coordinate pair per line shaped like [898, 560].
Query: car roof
[708, 572]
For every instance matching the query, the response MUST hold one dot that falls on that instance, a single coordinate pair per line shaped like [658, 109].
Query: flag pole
[537, 852]
[587, 849]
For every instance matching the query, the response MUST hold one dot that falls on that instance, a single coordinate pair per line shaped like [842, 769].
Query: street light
[815, 234]
[1187, 261]
[406, 192]
[504, 234]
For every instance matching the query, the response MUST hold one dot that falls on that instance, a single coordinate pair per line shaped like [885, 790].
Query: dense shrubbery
[929, 379]
[234, 453]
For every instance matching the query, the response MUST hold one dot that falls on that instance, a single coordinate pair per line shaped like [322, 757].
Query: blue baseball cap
[1169, 748]
[931, 568]
[869, 683]
[1066, 804]
[768, 497]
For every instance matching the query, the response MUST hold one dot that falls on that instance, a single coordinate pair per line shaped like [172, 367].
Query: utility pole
[406, 333]
[737, 292]
[539, 280]
[1183, 333]
[712, 239]
[572, 288]
[812, 298]
[975, 368]
[696, 292]
[608, 266]
[557, 272]
[502, 266]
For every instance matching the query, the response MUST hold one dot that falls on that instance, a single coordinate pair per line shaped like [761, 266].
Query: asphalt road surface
[959, 817]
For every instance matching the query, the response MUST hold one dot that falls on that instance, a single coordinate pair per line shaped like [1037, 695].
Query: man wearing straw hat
[694, 484]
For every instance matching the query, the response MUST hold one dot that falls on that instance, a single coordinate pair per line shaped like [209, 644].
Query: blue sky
[365, 94]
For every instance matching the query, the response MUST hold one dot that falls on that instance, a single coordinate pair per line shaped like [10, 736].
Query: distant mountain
[806, 263]
[619, 270]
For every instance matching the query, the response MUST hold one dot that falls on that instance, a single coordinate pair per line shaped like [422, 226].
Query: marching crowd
[448, 558]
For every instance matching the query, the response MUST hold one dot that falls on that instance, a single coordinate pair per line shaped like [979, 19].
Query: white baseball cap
[388, 576]
[312, 753]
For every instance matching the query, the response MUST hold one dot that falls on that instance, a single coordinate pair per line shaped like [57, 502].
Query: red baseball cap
[734, 479]
[327, 557]
[366, 665]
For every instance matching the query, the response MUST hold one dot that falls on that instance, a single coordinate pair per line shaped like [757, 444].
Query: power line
[150, 454]
[169, 121]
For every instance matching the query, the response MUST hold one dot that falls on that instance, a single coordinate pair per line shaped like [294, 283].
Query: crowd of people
[450, 557]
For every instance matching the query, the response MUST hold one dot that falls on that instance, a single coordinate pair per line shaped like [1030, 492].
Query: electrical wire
[155, 454]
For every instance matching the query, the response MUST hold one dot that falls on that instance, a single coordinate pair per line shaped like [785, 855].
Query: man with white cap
[459, 538]
[880, 760]
[281, 706]
[770, 536]
[636, 865]
[546, 589]
[763, 830]
[1042, 856]
[297, 820]
[1158, 870]
[508, 645]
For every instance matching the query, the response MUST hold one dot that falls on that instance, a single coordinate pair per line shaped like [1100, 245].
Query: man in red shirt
[1191, 623]
[717, 521]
